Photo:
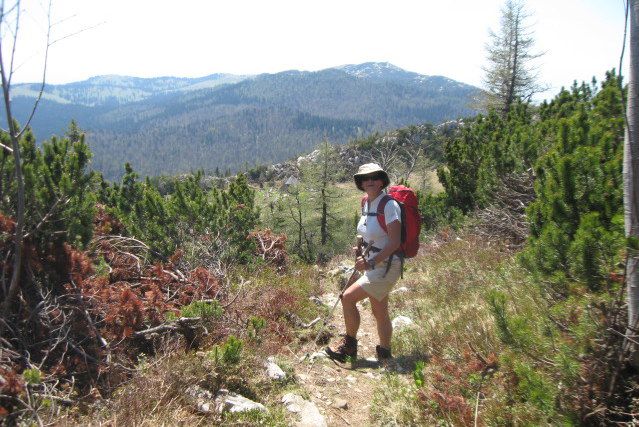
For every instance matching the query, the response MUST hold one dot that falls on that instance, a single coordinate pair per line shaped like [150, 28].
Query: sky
[192, 38]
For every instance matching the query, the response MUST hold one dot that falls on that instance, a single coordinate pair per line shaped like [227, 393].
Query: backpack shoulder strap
[380, 211]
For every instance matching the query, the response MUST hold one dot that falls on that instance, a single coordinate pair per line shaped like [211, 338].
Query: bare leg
[384, 325]
[349, 306]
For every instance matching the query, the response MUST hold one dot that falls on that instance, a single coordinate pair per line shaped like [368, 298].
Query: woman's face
[372, 183]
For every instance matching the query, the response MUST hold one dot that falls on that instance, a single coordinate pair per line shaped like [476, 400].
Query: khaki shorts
[375, 284]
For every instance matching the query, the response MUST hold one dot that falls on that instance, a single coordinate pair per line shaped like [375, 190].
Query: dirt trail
[329, 384]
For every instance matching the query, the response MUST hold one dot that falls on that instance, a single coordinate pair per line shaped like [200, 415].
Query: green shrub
[202, 309]
[535, 388]
[418, 374]
[166, 223]
[230, 352]
[575, 219]
[256, 324]
[32, 376]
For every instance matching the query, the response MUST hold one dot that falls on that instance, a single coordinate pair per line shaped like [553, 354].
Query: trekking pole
[360, 251]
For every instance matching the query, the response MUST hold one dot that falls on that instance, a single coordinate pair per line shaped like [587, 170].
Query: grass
[482, 348]
[256, 325]
[157, 395]
[489, 345]
[448, 303]
[456, 337]
[463, 363]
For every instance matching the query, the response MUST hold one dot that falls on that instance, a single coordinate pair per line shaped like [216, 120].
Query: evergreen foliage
[306, 211]
[488, 148]
[60, 197]
[166, 223]
[574, 145]
[577, 219]
[510, 75]
[485, 149]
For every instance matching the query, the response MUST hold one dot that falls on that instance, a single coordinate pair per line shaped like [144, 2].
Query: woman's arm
[394, 241]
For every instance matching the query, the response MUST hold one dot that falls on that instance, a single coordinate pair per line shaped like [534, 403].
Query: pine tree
[59, 201]
[318, 179]
[510, 74]
[239, 217]
[576, 220]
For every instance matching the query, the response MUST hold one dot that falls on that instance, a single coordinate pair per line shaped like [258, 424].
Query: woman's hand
[361, 264]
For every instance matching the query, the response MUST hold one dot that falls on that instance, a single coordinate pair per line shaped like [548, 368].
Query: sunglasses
[374, 177]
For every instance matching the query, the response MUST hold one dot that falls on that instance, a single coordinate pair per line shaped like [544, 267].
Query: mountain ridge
[168, 125]
[167, 84]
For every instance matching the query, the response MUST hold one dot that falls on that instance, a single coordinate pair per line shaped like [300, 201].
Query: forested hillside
[260, 120]
[117, 90]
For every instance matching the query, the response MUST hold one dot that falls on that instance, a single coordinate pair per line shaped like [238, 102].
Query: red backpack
[411, 219]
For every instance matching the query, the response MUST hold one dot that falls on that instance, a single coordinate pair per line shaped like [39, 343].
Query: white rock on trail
[342, 269]
[309, 414]
[198, 392]
[401, 322]
[401, 290]
[316, 300]
[318, 355]
[273, 371]
[233, 402]
[203, 399]
[223, 401]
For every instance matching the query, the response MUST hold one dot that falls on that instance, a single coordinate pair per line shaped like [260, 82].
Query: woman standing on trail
[380, 267]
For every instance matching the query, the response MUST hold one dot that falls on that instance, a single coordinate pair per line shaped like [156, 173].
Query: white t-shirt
[369, 227]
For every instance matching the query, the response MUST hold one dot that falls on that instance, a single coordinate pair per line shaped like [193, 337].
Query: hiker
[378, 276]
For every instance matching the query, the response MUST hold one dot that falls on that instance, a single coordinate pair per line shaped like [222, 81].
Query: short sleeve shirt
[369, 227]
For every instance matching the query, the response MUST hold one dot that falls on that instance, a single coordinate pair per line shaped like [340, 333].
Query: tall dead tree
[510, 74]
[9, 31]
[631, 183]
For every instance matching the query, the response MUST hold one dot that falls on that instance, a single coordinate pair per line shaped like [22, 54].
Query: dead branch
[44, 69]
[625, 336]
[481, 358]
[46, 216]
[6, 147]
[505, 219]
[242, 283]
[180, 323]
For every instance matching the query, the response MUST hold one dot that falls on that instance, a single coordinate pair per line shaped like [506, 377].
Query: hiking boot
[383, 354]
[347, 348]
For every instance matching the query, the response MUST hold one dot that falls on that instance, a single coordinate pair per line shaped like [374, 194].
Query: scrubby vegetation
[113, 273]
[133, 292]
[561, 334]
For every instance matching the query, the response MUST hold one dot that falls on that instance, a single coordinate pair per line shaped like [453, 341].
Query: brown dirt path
[330, 384]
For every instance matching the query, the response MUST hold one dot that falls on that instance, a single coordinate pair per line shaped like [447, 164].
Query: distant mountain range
[169, 125]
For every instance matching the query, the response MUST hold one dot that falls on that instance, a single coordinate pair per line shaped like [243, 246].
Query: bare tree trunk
[324, 198]
[631, 181]
[510, 93]
[14, 135]
[19, 230]
[324, 219]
